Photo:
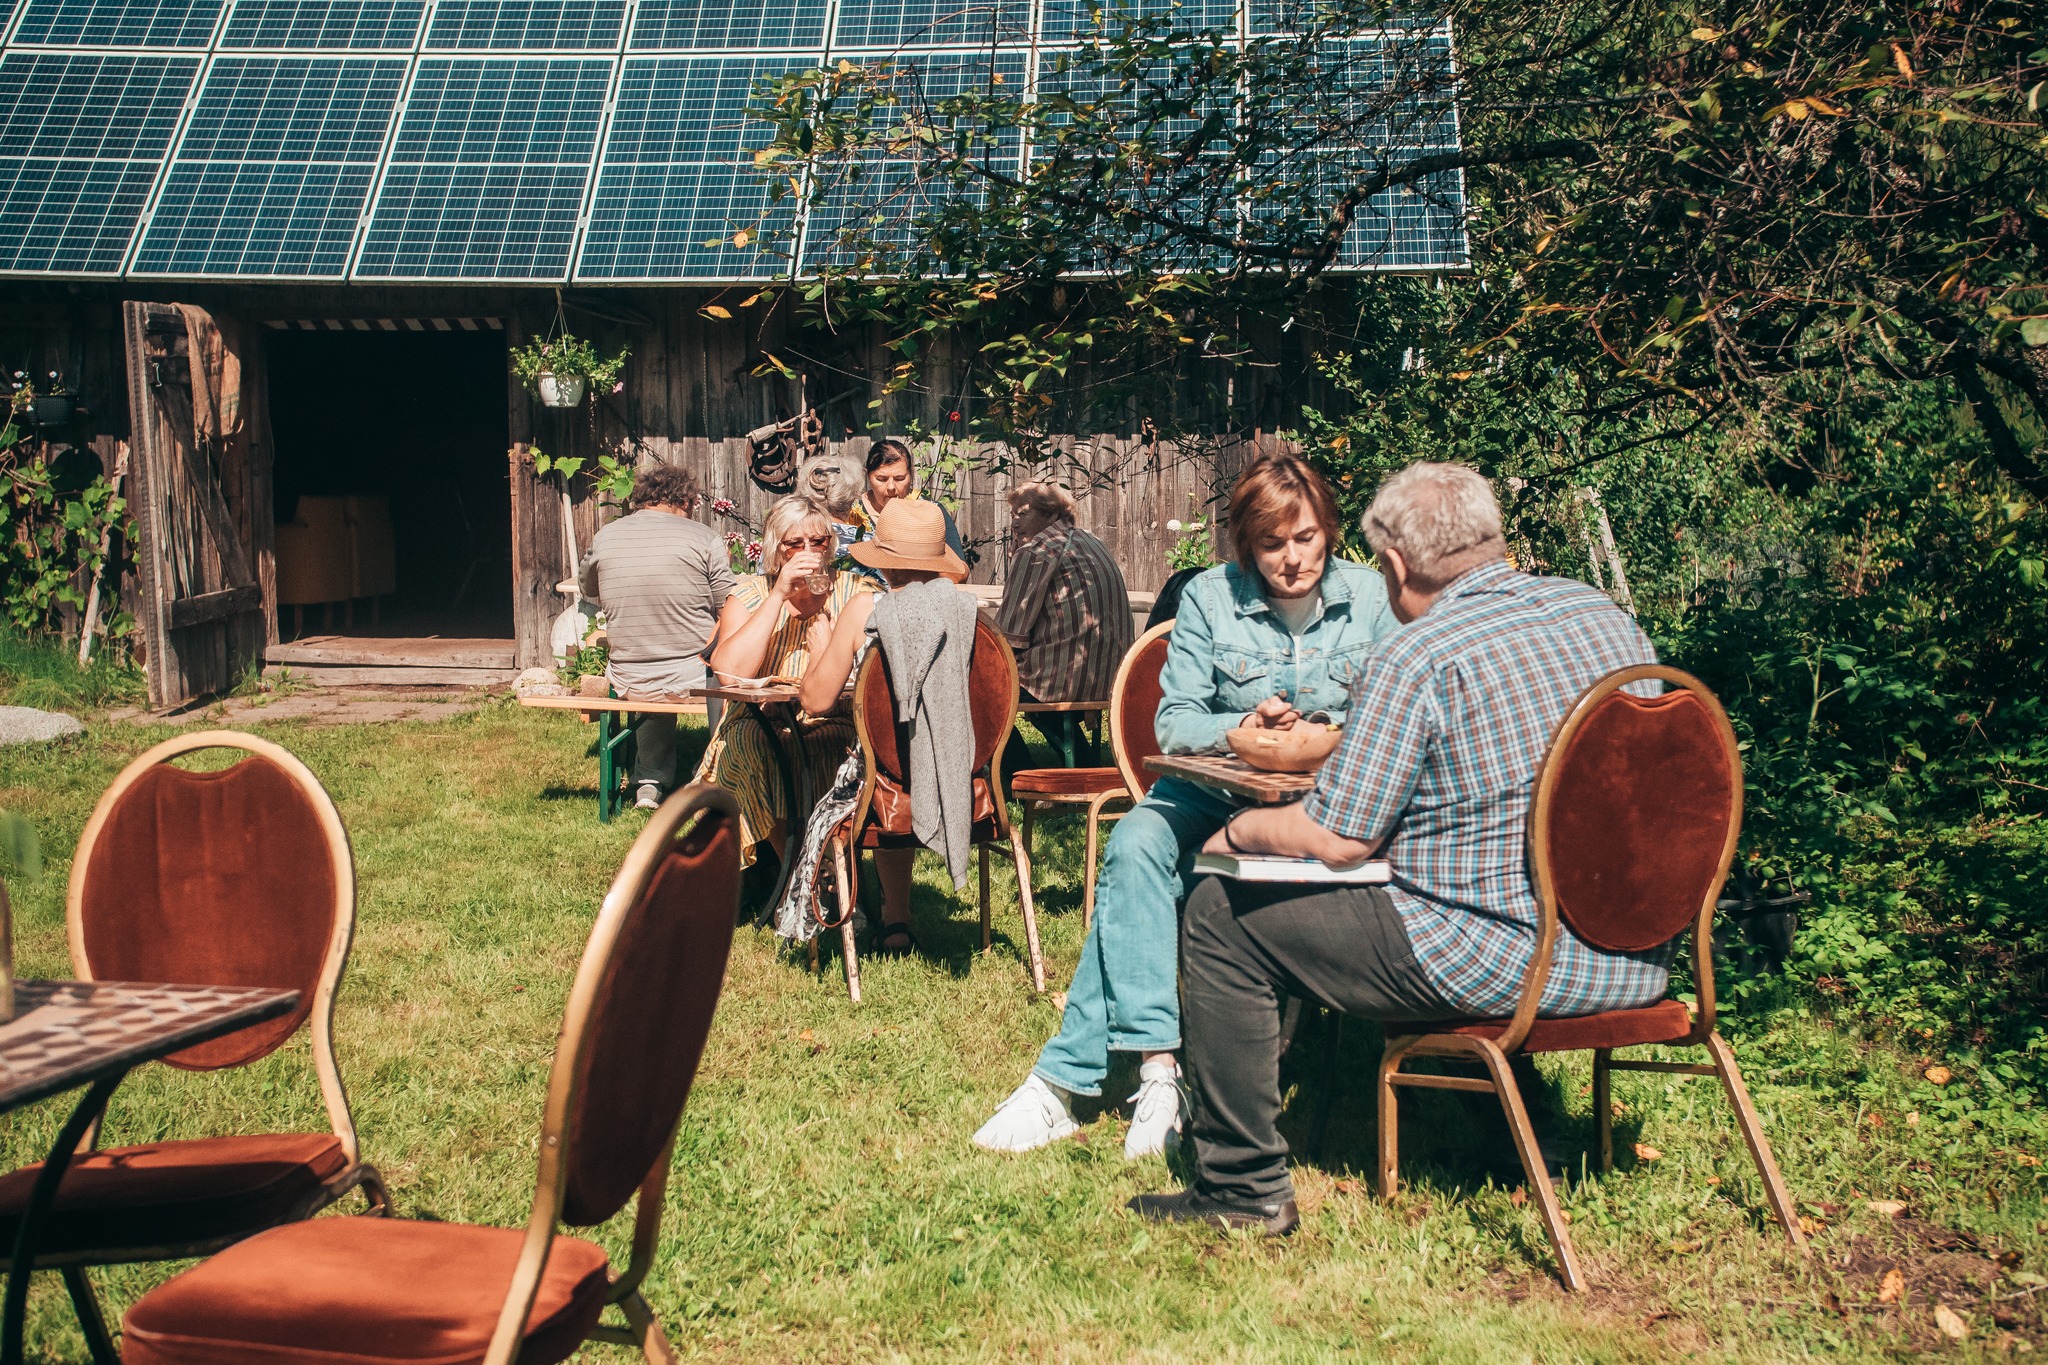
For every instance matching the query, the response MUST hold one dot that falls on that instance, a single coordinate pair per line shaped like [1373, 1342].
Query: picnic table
[67, 1034]
[1229, 773]
[1064, 726]
[614, 733]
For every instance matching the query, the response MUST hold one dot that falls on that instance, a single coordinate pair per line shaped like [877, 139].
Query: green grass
[826, 1204]
[46, 675]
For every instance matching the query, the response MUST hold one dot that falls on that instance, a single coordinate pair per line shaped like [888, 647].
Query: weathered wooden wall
[693, 387]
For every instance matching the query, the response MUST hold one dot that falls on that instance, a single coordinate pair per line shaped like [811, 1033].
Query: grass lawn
[826, 1204]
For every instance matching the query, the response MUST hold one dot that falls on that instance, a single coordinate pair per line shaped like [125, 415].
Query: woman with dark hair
[1271, 639]
[891, 475]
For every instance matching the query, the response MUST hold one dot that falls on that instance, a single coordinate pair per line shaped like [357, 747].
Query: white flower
[1173, 524]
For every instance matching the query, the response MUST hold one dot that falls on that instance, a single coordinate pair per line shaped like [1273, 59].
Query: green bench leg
[617, 746]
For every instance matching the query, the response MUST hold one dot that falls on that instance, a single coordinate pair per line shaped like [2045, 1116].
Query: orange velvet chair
[367, 1290]
[1633, 826]
[237, 877]
[881, 815]
[1133, 706]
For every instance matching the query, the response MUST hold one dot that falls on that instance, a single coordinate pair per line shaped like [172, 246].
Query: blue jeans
[1126, 992]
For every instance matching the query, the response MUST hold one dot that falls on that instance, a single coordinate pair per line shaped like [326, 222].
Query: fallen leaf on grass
[1938, 1075]
[1713, 1180]
[1892, 1287]
[1520, 1199]
[805, 1036]
[1812, 1227]
[1645, 1152]
[1886, 1208]
[2025, 1160]
[1059, 1001]
[1347, 1187]
[1952, 1324]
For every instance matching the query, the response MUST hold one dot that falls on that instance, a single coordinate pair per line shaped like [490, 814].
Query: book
[1265, 867]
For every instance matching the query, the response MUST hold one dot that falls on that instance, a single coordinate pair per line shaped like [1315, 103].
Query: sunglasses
[810, 543]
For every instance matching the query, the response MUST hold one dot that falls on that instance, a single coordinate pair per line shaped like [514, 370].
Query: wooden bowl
[1300, 750]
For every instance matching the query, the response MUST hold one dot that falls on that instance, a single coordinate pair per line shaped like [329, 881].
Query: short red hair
[1270, 496]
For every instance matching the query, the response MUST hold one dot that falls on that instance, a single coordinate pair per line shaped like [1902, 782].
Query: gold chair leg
[848, 953]
[1088, 866]
[1022, 859]
[1503, 1079]
[1390, 1120]
[653, 1342]
[1028, 809]
[1603, 1106]
[1753, 1133]
[986, 926]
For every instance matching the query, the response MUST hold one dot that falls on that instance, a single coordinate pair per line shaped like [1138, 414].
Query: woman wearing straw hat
[909, 546]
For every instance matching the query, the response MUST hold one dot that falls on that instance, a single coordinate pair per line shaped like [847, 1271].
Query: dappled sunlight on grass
[826, 1205]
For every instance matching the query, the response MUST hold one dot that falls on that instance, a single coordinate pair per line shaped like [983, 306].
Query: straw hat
[910, 534]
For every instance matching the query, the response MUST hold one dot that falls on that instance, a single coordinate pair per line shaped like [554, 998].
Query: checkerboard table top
[1228, 772]
[67, 1033]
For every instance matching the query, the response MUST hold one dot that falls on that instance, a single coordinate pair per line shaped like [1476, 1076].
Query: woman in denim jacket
[1270, 640]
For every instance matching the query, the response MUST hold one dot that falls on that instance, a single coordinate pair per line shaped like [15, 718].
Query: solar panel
[680, 25]
[891, 24]
[118, 23]
[82, 138]
[1067, 20]
[272, 172]
[488, 170]
[359, 25]
[677, 193]
[558, 25]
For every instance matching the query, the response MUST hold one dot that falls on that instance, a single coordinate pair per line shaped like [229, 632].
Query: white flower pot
[559, 393]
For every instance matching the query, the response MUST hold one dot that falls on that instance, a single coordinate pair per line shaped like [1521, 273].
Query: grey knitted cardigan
[926, 631]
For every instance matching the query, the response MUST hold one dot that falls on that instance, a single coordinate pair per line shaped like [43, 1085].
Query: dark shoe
[892, 940]
[1193, 1206]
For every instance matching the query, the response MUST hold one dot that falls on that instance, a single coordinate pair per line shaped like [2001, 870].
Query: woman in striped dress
[765, 630]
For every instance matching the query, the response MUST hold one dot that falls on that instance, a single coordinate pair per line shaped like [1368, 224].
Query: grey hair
[786, 515]
[1443, 518]
[1046, 499]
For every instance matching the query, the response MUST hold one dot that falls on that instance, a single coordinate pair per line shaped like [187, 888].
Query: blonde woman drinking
[765, 631]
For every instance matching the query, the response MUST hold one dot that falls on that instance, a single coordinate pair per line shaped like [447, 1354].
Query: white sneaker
[1156, 1122]
[1035, 1115]
[649, 797]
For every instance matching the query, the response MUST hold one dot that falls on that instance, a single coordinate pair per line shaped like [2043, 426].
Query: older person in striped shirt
[1448, 725]
[1065, 609]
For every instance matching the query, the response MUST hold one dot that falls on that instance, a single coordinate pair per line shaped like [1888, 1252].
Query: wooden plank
[160, 665]
[593, 705]
[187, 612]
[394, 652]
[394, 677]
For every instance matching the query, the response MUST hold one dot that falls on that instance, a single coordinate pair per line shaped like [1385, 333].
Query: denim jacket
[1229, 652]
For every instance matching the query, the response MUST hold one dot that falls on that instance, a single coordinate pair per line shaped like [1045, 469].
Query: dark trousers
[1241, 946]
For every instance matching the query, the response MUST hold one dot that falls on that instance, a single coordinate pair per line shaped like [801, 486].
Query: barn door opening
[200, 496]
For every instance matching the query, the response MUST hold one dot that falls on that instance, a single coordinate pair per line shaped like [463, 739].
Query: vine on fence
[55, 526]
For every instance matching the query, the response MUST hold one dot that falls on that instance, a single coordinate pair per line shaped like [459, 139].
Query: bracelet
[1229, 842]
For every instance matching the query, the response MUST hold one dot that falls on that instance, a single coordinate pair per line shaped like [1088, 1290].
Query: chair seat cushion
[1073, 782]
[355, 1291]
[166, 1194]
[1664, 1022]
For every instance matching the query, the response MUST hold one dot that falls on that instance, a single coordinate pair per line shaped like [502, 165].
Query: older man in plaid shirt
[1449, 723]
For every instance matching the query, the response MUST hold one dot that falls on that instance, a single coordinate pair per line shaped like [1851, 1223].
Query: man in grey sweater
[662, 579]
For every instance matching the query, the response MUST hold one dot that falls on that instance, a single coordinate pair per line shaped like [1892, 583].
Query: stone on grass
[26, 725]
[538, 682]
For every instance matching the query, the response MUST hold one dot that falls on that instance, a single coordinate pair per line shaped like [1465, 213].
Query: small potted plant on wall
[563, 368]
[49, 406]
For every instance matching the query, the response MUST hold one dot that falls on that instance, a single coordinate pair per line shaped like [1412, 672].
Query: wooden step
[317, 675]
[398, 651]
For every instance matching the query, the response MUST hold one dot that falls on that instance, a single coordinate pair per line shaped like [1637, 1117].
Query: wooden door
[200, 493]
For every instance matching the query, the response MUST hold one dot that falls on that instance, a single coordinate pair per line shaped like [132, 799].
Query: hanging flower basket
[559, 391]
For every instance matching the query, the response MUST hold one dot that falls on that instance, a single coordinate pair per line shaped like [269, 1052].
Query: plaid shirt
[1064, 596]
[1449, 722]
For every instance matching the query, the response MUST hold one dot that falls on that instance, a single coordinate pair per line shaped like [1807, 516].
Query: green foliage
[613, 477]
[567, 356]
[55, 510]
[42, 672]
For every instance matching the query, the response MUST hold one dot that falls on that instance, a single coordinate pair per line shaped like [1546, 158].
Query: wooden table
[1229, 773]
[71, 1033]
[1068, 714]
[612, 734]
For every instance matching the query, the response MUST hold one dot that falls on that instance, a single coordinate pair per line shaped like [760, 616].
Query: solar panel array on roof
[522, 141]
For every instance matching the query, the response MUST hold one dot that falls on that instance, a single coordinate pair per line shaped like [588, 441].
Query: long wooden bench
[615, 737]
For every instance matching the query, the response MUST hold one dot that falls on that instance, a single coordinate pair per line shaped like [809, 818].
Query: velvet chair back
[643, 1001]
[1637, 810]
[236, 877]
[991, 699]
[1134, 707]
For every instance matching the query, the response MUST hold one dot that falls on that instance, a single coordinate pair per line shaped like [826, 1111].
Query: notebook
[1264, 867]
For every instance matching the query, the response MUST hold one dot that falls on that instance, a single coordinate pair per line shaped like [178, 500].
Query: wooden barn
[279, 252]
